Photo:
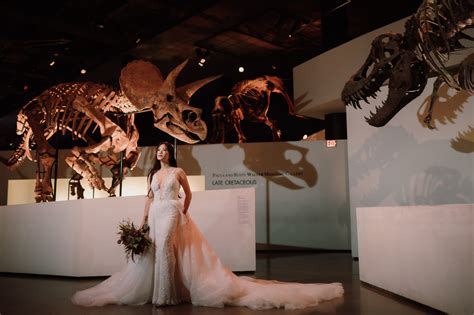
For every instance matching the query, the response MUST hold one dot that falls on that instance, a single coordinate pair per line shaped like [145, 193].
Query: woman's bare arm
[148, 200]
[183, 181]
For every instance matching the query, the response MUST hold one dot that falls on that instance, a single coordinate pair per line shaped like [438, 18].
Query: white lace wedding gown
[182, 267]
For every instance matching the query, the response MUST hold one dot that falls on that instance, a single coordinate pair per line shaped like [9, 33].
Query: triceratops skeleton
[78, 108]
[249, 100]
[408, 59]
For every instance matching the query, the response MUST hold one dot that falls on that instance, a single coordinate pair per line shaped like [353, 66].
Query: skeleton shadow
[464, 141]
[185, 153]
[446, 110]
[300, 103]
[287, 167]
[406, 174]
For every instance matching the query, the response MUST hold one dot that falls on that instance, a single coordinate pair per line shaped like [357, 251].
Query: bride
[182, 267]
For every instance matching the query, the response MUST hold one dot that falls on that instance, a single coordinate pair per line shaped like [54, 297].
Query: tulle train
[203, 280]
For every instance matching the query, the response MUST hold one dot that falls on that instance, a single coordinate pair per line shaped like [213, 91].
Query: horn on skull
[189, 89]
[170, 83]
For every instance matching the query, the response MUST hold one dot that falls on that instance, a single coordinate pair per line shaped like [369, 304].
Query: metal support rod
[267, 187]
[339, 6]
[121, 173]
[56, 159]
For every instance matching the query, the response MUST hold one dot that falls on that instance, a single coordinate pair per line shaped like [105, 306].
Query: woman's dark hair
[157, 165]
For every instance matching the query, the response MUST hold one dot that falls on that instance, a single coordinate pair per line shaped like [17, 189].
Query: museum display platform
[424, 253]
[79, 237]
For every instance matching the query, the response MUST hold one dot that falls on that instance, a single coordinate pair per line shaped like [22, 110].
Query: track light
[202, 55]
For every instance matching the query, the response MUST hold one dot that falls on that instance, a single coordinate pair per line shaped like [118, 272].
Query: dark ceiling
[47, 42]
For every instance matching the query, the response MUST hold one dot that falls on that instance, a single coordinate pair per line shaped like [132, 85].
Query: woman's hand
[144, 221]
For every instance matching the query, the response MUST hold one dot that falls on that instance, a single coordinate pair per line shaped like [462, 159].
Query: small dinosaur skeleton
[407, 60]
[79, 108]
[249, 100]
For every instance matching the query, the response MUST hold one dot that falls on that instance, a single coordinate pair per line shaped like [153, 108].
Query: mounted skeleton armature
[248, 100]
[407, 60]
[81, 108]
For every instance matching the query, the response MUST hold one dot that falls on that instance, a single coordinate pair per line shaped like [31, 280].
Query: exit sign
[331, 143]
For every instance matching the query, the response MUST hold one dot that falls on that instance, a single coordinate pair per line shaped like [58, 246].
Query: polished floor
[30, 294]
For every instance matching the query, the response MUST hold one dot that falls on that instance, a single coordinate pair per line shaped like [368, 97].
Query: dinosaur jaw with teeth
[406, 80]
[361, 88]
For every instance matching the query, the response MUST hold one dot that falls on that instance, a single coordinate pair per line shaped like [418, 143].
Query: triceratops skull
[144, 86]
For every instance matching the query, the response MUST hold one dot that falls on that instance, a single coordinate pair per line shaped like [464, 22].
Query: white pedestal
[79, 237]
[424, 253]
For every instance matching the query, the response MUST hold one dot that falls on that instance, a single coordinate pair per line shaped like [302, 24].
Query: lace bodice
[169, 187]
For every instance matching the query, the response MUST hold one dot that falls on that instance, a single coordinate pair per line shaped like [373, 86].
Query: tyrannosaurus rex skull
[144, 86]
[387, 61]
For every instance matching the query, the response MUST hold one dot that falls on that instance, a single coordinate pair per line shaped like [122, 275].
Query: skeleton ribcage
[252, 102]
[438, 23]
[56, 107]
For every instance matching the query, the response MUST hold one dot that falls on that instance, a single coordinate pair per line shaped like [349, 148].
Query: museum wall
[299, 200]
[404, 162]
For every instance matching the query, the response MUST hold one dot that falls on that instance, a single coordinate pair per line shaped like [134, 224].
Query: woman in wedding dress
[182, 267]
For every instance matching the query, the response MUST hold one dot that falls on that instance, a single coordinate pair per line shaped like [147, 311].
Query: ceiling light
[241, 69]
[202, 55]
[138, 40]
[305, 137]
[52, 63]
[83, 71]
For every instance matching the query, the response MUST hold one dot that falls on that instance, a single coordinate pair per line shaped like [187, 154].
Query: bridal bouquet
[135, 241]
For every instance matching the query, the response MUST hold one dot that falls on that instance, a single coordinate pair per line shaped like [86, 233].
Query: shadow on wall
[185, 153]
[287, 167]
[464, 141]
[405, 172]
[446, 110]
[300, 101]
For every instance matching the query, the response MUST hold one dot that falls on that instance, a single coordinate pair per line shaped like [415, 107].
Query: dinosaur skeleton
[75, 186]
[81, 108]
[408, 59]
[249, 100]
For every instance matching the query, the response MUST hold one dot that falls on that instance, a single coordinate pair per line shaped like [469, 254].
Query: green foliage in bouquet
[135, 241]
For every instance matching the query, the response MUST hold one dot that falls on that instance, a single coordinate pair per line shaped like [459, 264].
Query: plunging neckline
[165, 177]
